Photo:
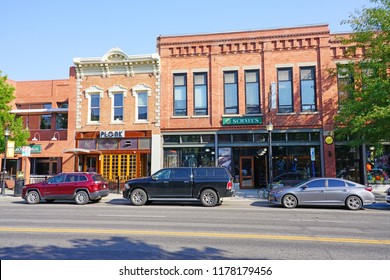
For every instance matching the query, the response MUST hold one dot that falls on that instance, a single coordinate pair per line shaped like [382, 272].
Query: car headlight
[127, 186]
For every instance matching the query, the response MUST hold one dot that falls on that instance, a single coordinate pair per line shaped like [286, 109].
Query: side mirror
[304, 187]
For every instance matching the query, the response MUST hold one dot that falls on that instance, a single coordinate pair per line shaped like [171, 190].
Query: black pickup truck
[205, 184]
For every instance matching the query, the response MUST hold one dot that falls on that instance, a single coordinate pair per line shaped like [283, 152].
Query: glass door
[246, 172]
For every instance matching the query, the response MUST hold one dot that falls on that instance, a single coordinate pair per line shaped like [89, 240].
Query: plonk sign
[112, 134]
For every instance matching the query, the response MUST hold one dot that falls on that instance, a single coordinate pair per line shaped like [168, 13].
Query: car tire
[138, 197]
[353, 202]
[209, 198]
[289, 201]
[81, 198]
[33, 197]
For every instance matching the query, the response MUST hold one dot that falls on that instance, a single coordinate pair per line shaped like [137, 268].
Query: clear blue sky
[40, 38]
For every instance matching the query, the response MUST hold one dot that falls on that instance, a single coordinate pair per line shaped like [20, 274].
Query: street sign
[312, 154]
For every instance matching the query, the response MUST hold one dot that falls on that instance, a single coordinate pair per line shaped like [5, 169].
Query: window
[180, 94]
[285, 94]
[117, 93]
[183, 174]
[94, 106]
[46, 119]
[118, 107]
[316, 184]
[61, 121]
[344, 81]
[308, 89]
[94, 94]
[252, 91]
[142, 106]
[200, 94]
[335, 183]
[231, 92]
[141, 93]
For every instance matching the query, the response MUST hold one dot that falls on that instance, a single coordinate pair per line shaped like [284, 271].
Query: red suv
[81, 187]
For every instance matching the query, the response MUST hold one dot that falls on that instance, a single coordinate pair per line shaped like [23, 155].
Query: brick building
[48, 110]
[220, 90]
[203, 100]
[117, 115]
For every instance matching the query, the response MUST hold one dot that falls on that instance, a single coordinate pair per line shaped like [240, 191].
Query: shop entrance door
[246, 172]
[90, 164]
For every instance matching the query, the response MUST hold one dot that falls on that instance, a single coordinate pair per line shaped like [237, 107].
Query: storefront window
[242, 137]
[189, 157]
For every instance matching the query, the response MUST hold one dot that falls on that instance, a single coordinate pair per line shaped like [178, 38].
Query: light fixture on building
[54, 136]
[35, 137]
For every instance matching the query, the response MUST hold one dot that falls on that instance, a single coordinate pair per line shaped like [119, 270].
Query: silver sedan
[323, 191]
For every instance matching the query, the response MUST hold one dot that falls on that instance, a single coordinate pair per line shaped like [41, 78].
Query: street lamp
[6, 134]
[269, 128]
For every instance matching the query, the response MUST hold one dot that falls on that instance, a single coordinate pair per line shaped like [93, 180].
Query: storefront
[117, 155]
[245, 152]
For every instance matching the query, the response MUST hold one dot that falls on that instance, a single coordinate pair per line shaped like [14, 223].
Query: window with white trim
[93, 94]
[141, 93]
[117, 94]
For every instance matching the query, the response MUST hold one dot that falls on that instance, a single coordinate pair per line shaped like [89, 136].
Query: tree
[15, 124]
[364, 116]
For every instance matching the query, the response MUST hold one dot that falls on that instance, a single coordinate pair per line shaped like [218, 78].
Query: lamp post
[6, 134]
[269, 128]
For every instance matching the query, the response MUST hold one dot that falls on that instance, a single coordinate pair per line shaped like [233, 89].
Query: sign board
[34, 149]
[112, 134]
[242, 121]
[26, 151]
[10, 149]
[312, 154]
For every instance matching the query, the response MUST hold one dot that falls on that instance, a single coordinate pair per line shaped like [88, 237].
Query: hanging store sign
[112, 134]
[34, 149]
[242, 121]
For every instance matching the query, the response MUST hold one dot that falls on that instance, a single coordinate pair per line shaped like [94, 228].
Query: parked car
[81, 187]
[205, 184]
[290, 178]
[323, 191]
[387, 198]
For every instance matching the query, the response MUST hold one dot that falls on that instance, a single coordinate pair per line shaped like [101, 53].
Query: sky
[40, 38]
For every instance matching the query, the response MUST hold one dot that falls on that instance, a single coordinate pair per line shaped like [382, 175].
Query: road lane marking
[197, 234]
[133, 216]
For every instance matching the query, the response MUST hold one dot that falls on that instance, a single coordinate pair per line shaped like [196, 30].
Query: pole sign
[312, 154]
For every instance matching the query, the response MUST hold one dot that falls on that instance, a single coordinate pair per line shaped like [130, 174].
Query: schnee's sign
[242, 121]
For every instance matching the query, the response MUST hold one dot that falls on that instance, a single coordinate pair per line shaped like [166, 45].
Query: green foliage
[17, 132]
[365, 115]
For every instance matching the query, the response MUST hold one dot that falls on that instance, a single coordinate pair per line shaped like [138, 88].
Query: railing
[38, 178]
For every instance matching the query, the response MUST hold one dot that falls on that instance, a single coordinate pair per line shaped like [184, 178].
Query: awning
[81, 151]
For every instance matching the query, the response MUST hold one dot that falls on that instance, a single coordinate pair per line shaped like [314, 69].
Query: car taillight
[368, 189]
[229, 185]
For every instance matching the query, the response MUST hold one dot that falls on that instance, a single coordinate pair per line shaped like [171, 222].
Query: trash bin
[18, 187]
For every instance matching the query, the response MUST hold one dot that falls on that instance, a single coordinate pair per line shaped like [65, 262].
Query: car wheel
[138, 197]
[289, 201]
[353, 202]
[209, 198]
[33, 197]
[81, 198]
